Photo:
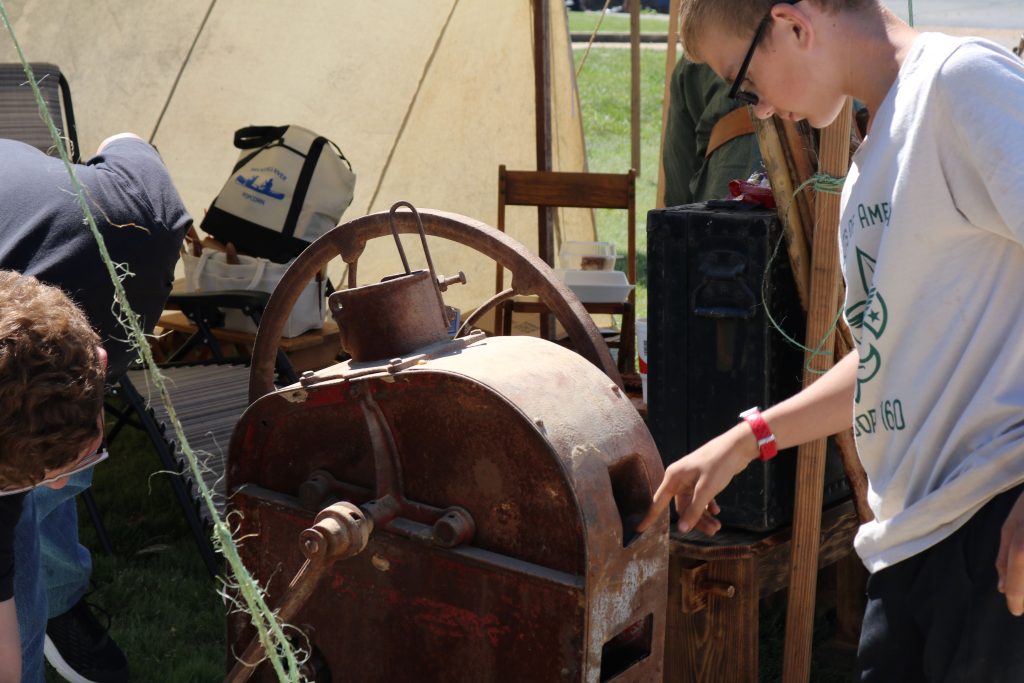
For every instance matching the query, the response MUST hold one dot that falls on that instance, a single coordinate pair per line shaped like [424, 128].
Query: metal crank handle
[340, 531]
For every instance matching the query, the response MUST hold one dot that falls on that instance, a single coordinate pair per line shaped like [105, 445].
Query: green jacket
[697, 99]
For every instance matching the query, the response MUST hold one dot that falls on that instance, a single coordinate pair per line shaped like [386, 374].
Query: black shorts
[938, 616]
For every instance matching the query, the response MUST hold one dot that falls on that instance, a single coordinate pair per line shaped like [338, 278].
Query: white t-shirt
[931, 240]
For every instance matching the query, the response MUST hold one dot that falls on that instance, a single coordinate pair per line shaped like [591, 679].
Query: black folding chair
[209, 396]
[19, 111]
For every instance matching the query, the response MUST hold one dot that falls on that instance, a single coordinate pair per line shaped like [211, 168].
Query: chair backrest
[19, 113]
[557, 189]
[570, 189]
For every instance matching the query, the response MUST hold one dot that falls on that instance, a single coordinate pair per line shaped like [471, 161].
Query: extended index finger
[662, 497]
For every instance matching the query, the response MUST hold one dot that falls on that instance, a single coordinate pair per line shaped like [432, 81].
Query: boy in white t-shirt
[932, 244]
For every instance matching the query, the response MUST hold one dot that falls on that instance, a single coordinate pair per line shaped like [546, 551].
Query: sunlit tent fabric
[425, 98]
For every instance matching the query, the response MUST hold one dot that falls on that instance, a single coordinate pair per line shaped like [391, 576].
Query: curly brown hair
[51, 380]
[741, 17]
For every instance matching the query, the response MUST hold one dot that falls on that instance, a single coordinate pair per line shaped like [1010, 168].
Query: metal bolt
[454, 528]
[719, 588]
[444, 282]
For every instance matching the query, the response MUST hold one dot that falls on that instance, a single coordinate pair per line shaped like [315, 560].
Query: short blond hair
[740, 17]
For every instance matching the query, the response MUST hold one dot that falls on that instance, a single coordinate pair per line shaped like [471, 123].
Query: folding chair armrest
[235, 298]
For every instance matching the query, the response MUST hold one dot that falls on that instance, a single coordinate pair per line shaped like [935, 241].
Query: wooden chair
[555, 189]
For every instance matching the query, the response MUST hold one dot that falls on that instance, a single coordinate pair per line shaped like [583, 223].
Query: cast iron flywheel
[530, 276]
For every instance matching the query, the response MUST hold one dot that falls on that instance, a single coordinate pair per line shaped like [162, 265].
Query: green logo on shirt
[870, 315]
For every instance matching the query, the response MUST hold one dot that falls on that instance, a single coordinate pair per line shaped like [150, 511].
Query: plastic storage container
[587, 255]
[597, 286]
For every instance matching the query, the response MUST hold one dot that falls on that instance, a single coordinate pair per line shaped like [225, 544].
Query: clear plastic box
[587, 255]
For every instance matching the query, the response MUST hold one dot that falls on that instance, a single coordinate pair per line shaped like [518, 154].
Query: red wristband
[766, 446]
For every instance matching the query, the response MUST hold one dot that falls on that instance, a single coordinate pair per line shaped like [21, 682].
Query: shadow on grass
[164, 609]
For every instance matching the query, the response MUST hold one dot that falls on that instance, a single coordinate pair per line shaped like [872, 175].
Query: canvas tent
[425, 98]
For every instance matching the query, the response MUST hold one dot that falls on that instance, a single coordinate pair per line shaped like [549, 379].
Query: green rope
[910, 11]
[819, 182]
[269, 629]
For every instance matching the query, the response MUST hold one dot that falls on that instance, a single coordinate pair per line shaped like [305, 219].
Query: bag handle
[291, 221]
[341, 155]
[252, 137]
[261, 265]
[193, 276]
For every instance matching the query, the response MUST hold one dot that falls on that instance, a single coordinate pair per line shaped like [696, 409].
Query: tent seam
[412, 105]
[181, 71]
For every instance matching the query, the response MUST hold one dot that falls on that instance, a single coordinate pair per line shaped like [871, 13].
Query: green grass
[165, 611]
[604, 85]
[617, 22]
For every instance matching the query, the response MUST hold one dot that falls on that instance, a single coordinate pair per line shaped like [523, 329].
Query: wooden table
[715, 587]
[309, 351]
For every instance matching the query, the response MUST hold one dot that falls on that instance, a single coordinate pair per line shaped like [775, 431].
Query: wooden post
[784, 182]
[790, 159]
[634, 100]
[670, 67]
[542, 109]
[803, 159]
[810, 475]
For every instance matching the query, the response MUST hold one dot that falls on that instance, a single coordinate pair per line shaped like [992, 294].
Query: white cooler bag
[211, 272]
[288, 187]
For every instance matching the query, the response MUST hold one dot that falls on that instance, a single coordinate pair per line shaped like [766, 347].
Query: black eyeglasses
[85, 463]
[741, 75]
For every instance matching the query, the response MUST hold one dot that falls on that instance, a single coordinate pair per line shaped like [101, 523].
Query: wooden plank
[568, 188]
[784, 183]
[634, 88]
[542, 110]
[838, 523]
[835, 159]
[710, 637]
[530, 306]
[719, 642]
[802, 158]
[499, 272]
[677, 630]
[177, 321]
[838, 527]
[787, 150]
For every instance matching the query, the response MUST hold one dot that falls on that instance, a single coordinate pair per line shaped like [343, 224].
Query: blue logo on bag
[265, 188]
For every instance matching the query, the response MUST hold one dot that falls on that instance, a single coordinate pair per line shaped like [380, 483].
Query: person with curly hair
[42, 233]
[51, 397]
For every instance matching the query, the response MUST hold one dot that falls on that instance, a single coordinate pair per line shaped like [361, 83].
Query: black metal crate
[714, 276]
